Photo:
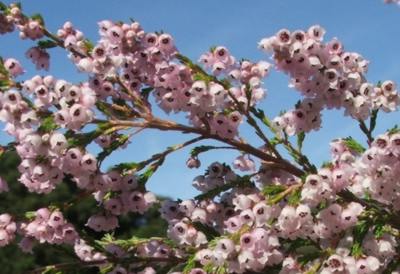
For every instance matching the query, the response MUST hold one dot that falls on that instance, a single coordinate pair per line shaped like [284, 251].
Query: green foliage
[83, 139]
[201, 77]
[353, 145]
[4, 84]
[272, 190]
[47, 125]
[191, 263]
[359, 232]
[379, 230]
[123, 167]
[294, 198]
[393, 130]
[3, 71]
[210, 232]
[38, 17]
[3, 7]
[47, 44]
[120, 141]
[327, 164]
[372, 122]
[259, 113]
[300, 139]
[200, 149]
[306, 249]
[145, 176]
[88, 45]
[146, 91]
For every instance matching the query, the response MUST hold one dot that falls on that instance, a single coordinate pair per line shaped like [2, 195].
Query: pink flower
[13, 67]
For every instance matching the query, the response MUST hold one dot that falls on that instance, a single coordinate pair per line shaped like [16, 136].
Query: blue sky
[368, 27]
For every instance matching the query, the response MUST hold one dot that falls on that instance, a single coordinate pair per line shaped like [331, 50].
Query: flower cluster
[375, 171]
[39, 57]
[392, 1]
[271, 215]
[49, 227]
[87, 253]
[6, 23]
[328, 76]
[217, 175]
[72, 37]
[118, 195]
[29, 28]
[7, 229]
[13, 67]
[255, 250]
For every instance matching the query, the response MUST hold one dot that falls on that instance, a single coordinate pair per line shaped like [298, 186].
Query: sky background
[368, 27]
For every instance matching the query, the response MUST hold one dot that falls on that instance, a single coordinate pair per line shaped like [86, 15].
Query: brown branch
[162, 155]
[241, 146]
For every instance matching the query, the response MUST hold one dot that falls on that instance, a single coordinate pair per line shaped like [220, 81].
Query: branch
[162, 155]
[241, 146]
[372, 123]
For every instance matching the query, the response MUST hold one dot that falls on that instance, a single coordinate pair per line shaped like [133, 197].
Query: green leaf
[4, 84]
[356, 250]
[191, 263]
[30, 215]
[379, 230]
[327, 164]
[300, 139]
[359, 232]
[294, 197]
[3, 7]
[292, 245]
[200, 77]
[51, 269]
[144, 177]
[46, 44]
[353, 145]
[220, 270]
[271, 190]
[309, 257]
[48, 125]
[306, 249]
[38, 17]
[209, 268]
[393, 130]
[88, 45]
[83, 139]
[275, 141]
[104, 269]
[109, 111]
[200, 149]
[146, 91]
[259, 113]
[122, 139]
[3, 70]
[372, 122]
[126, 166]
[210, 232]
